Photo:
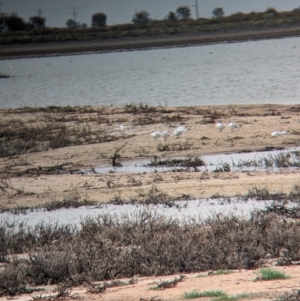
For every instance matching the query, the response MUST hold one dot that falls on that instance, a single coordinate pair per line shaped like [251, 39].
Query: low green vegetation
[225, 297]
[269, 274]
[195, 294]
[219, 295]
[154, 288]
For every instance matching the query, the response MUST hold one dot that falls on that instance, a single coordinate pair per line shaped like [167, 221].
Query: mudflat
[51, 153]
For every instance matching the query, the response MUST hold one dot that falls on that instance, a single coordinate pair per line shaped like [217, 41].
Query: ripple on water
[257, 72]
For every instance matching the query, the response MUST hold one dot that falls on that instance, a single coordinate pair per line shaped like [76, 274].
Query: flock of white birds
[181, 129]
[165, 134]
[234, 126]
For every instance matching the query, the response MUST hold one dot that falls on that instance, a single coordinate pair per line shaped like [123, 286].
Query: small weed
[269, 274]
[225, 167]
[194, 294]
[225, 297]
[170, 283]
[154, 288]
[163, 147]
[222, 272]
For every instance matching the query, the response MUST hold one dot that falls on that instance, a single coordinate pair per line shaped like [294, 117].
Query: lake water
[257, 72]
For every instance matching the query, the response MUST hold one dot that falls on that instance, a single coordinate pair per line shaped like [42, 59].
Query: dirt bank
[142, 43]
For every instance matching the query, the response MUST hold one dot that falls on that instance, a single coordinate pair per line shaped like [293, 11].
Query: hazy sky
[57, 12]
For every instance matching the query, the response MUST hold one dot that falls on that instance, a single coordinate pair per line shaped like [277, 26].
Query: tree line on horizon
[12, 22]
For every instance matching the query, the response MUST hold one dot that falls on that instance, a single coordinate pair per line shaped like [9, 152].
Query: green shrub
[269, 274]
[194, 294]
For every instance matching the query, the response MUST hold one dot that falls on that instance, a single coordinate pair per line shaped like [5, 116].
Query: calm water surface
[238, 73]
[192, 209]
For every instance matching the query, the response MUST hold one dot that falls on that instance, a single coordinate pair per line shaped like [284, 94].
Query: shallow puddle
[182, 210]
[246, 161]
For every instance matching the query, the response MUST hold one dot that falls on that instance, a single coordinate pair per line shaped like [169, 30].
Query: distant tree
[171, 16]
[218, 12]
[83, 25]
[14, 23]
[183, 12]
[270, 13]
[271, 10]
[3, 17]
[98, 19]
[37, 22]
[71, 23]
[141, 17]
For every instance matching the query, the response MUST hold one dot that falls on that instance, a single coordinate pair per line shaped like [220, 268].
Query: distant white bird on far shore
[155, 135]
[220, 126]
[165, 135]
[277, 134]
[180, 130]
[233, 125]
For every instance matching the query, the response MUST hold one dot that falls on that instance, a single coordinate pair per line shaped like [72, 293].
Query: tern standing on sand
[155, 135]
[220, 126]
[180, 130]
[233, 125]
[165, 135]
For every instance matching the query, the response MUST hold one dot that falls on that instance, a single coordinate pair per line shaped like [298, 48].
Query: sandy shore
[37, 177]
[242, 283]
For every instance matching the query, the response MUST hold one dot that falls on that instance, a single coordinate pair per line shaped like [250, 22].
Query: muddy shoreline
[34, 173]
[13, 51]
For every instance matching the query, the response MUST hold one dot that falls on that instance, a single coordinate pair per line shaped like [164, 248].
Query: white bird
[155, 135]
[180, 130]
[233, 125]
[121, 127]
[124, 130]
[277, 134]
[165, 135]
[220, 126]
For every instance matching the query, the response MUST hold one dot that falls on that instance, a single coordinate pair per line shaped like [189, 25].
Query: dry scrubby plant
[189, 162]
[280, 160]
[53, 127]
[145, 243]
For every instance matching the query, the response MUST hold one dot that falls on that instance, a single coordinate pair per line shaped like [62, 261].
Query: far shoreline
[18, 51]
